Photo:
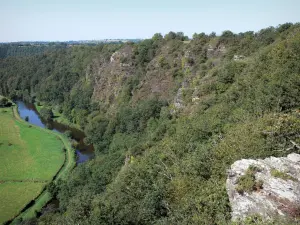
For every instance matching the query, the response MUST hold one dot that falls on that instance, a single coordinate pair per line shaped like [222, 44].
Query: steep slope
[167, 118]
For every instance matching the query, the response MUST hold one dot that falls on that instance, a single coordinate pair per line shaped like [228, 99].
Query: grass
[15, 196]
[40, 202]
[70, 162]
[31, 157]
[282, 175]
[27, 153]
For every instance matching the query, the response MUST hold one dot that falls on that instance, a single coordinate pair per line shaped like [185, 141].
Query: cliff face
[280, 191]
[158, 78]
[109, 76]
[173, 74]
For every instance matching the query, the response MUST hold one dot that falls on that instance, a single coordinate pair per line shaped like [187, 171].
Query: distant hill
[38, 47]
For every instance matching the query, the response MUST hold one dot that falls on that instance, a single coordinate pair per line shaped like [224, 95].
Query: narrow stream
[84, 152]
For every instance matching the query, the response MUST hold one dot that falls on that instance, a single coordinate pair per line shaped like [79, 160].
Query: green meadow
[15, 196]
[30, 158]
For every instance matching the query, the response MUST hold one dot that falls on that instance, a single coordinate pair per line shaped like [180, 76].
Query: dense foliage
[46, 114]
[167, 118]
[3, 101]
[21, 49]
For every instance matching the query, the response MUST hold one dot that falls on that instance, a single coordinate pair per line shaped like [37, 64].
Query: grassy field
[30, 157]
[15, 196]
[70, 163]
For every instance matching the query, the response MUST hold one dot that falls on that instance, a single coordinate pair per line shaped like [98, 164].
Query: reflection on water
[84, 152]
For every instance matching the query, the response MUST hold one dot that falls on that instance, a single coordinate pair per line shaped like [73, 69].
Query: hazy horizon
[97, 20]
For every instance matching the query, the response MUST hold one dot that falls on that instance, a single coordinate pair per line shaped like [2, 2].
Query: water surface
[84, 152]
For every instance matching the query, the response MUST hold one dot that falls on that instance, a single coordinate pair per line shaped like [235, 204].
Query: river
[84, 152]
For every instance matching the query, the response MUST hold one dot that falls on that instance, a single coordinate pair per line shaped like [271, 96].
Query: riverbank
[58, 117]
[66, 168]
[83, 151]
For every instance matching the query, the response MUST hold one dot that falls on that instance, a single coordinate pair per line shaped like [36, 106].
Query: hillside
[167, 118]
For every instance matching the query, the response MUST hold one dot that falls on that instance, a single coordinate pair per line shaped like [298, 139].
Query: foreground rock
[280, 193]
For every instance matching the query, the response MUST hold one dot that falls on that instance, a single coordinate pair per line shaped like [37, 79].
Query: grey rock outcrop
[215, 51]
[109, 76]
[278, 197]
[178, 100]
[238, 57]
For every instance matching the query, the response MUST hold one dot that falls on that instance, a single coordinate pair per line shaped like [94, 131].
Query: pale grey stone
[278, 197]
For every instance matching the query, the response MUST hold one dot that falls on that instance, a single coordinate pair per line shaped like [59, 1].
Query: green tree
[170, 36]
[46, 113]
[3, 102]
[157, 37]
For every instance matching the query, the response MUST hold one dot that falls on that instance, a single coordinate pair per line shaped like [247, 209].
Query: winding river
[84, 152]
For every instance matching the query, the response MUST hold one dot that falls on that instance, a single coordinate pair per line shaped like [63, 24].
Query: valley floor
[31, 157]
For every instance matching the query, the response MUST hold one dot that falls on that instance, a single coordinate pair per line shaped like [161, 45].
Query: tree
[212, 34]
[283, 27]
[46, 113]
[227, 34]
[170, 36]
[157, 37]
[3, 102]
[227, 37]
[199, 36]
[267, 35]
[180, 36]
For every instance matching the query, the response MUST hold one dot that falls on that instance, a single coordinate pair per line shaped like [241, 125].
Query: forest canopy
[167, 117]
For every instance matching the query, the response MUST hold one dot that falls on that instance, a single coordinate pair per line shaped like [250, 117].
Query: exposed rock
[117, 56]
[178, 100]
[127, 160]
[125, 65]
[238, 57]
[222, 48]
[188, 54]
[109, 76]
[210, 48]
[215, 51]
[195, 99]
[160, 77]
[279, 196]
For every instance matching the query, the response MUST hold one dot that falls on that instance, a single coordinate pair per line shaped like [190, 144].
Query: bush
[247, 182]
[4, 102]
[46, 114]
[68, 133]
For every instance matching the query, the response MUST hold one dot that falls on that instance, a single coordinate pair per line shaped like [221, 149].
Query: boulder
[280, 194]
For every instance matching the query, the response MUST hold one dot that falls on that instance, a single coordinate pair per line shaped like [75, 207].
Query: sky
[62, 20]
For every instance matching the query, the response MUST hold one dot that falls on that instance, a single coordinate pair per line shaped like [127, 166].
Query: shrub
[46, 113]
[4, 102]
[163, 63]
[247, 182]
[68, 133]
